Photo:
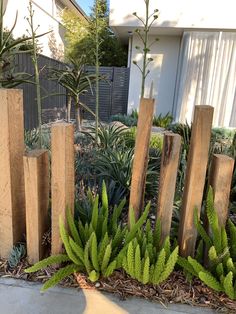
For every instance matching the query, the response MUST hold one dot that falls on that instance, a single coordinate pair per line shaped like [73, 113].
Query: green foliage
[81, 37]
[219, 272]
[96, 246]
[144, 260]
[163, 121]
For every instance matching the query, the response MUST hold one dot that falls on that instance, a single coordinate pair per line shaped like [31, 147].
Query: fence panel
[113, 94]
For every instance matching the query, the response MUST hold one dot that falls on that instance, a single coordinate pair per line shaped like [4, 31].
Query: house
[47, 16]
[194, 59]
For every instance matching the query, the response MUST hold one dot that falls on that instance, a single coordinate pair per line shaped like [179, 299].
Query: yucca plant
[96, 247]
[146, 259]
[219, 272]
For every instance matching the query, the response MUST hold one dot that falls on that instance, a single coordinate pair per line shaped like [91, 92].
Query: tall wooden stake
[195, 177]
[168, 175]
[141, 153]
[63, 178]
[36, 171]
[220, 180]
[12, 199]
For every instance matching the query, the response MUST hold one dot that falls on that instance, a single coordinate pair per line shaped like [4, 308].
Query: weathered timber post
[195, 177]
[141, 152]
[63, 178]
[168, 175]
[12, 198]
[36, 171]
[220, 180]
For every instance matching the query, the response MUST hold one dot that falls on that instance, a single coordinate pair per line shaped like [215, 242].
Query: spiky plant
[219, 271]
[148, 261]
[97, 246]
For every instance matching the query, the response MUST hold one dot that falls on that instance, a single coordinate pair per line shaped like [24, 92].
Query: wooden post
[36, 171]
[12, 198]
[63, 178]
[220, 179]
[141, 153]
[195, 177]
[168, 175]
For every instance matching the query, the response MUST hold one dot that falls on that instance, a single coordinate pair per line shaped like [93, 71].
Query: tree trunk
[69, 109]
[78, 118]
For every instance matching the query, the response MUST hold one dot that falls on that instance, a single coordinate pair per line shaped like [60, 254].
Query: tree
[143, 33]
[81, 37]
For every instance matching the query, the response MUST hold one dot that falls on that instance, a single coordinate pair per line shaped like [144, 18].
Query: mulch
[174, 290]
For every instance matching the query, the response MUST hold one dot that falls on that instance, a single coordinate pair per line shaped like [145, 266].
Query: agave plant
[76, 82]
[9, 48]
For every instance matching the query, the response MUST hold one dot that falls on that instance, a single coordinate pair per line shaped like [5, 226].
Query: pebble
[97, 285]
[153, 217]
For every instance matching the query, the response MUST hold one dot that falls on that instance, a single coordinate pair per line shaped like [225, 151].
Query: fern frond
[200, 251]
[72, 227]
[54, 259]
[94, 251]
[210, 281]
[232, 233]
[110, 269]
[166, 246]
[131, 259]
[228, 286]
[137, 263]
[157, 234]
[196, 266]
[59, 276]
[104, 200]
[170, 264]
[184, 263]
[159, 267]
[77, 249]
[146, 269]
[65, 240]
[87, 262]
[106, 258]
[200, 229]
[102, 248]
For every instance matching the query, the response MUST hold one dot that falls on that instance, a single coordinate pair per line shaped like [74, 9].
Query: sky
[85, 5]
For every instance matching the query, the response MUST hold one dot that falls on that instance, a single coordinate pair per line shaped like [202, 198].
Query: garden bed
[176, 289]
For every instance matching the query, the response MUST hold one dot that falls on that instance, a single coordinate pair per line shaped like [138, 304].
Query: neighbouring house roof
[72, 4]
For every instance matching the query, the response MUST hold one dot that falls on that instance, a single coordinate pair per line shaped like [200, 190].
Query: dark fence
[113, 94]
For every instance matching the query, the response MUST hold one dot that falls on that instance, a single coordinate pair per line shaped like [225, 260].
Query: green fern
[170, 264]
[210, 281]
[60, 275]
[146, 269]
[52, 260]
[94, 252]
[159, 267]
[228, 286]
[72, 227]
[106, 258]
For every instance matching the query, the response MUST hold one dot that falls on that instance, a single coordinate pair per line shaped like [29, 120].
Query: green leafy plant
[163, 121]
[96, 247]
[77, 82]
[9, 48]
[125, 119]
[148, 261]
[219, 272]
[18, 252]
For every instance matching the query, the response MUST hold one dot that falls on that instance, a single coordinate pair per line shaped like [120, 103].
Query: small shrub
[163, 121]
[97, 246]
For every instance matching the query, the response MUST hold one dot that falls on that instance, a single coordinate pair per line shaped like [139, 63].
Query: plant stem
[145, 49]
[97, 74]
[36, 72]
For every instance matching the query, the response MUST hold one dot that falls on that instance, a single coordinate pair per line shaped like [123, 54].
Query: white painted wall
[177, 13]
[44, 16]
[163, 73]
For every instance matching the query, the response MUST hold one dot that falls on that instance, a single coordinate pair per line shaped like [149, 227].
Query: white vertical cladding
[163, 72]
[43, 16]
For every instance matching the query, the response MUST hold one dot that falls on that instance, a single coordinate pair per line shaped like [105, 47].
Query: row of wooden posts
[25, 178]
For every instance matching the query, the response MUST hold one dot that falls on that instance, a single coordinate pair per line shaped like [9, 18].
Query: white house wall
[163, 71]
[44, 10]
[176, 14]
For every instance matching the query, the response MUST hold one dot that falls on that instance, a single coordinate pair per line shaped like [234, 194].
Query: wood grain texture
[168, 175]
[63, 178]
[195, 177]
[220, 179]
[12, 199]
[36, 171]
[141, 153]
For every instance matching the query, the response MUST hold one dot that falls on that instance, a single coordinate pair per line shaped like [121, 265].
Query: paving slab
[21, 297]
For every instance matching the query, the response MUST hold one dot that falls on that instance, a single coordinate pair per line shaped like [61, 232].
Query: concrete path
[20, 297]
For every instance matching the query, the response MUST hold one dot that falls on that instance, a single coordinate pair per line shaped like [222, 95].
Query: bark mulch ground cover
[175, 290]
